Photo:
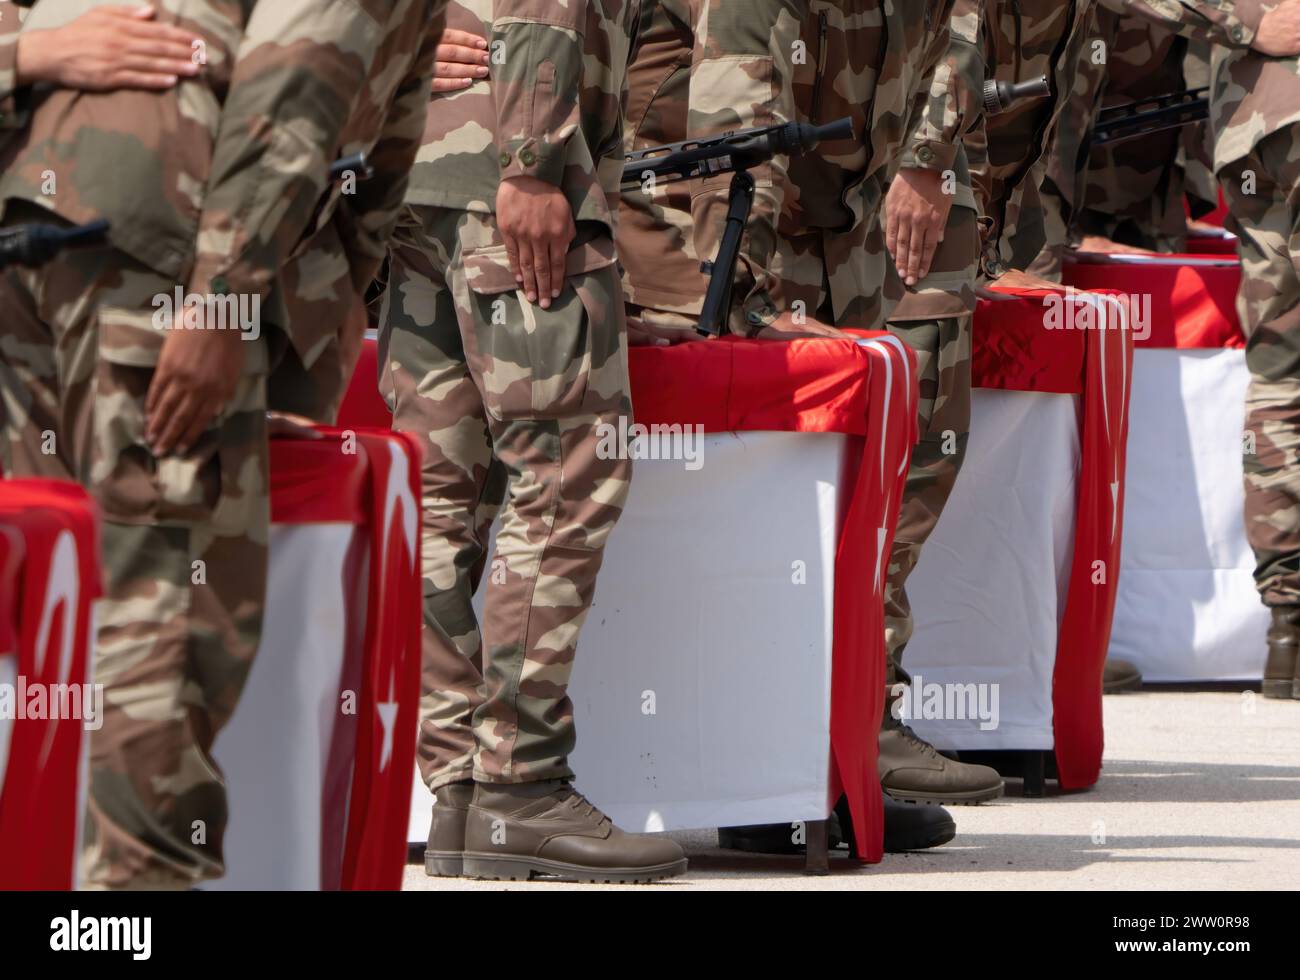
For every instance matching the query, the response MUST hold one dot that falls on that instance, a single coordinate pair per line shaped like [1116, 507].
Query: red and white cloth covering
[319, 752]
[1193, 298]
[867, 391]
[732, 666]
[1015, 590]
[1189, 610]
[49, 580]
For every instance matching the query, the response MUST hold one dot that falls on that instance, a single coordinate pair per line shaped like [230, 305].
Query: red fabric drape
[1016, 351]
[370, 478]
[1193, 297]
[865, 389]
[49, 579]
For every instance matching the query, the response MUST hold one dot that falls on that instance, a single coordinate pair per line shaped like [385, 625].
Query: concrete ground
[1200, 790]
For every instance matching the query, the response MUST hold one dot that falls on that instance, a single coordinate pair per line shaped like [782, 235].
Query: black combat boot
[908, 827]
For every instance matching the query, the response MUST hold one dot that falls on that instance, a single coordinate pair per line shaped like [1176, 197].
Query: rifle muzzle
[1001, 96]
[35, 245]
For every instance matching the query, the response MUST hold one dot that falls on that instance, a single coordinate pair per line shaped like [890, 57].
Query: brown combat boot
[913, 771]
[1282, 669]
[444, 857]
[548, 829]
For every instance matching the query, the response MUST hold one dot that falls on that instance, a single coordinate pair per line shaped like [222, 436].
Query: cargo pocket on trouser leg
[131, 485]
[184, 549]
[532, 363]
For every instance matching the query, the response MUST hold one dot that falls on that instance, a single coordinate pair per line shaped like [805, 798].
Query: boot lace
[583, 806]
[918, 742]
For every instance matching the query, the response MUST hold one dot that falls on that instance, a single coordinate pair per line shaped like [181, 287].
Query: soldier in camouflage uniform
[826, 263]
[1255, 119]
[1130, 196]
[815, 253]
[210, 186]
[503, 345]
[709, 67]
[1256, 106]
[1024, 39]
[934, 319]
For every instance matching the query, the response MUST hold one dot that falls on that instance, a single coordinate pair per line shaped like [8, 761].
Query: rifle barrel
[729, 152]
[36, 244]
[1126, 122]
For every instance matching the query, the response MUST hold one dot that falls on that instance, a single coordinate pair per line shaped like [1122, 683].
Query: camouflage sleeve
[298, 71]
[741, 78]
[1231, 23]
[537, 84]
[367, 217]
[956, 94]
[12, 115]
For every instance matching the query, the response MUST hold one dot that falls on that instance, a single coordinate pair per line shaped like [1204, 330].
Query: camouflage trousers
[1262, 194]
[934, 319]
[509, 400]
[184, 550]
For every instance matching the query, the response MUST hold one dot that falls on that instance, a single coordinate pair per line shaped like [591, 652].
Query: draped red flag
[49, 580]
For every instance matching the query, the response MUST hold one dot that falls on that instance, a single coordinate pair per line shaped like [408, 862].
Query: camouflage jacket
[1023, 39]
[222, 180]
[705, 67]
[1131, 191]
[345, 245]
[552, 107]
[1251, 94]
[950, 110]
[866, 61]
[709, 66]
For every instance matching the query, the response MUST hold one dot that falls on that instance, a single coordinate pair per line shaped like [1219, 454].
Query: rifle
[1000, 96]
[735, 153]
[35, 245]
[1134, 119]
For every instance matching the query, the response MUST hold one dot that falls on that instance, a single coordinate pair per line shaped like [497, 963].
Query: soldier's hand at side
[108, 48]
[461, 58]
[916, 211]
[1279, 31]
[196, 376]
[536, 223]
